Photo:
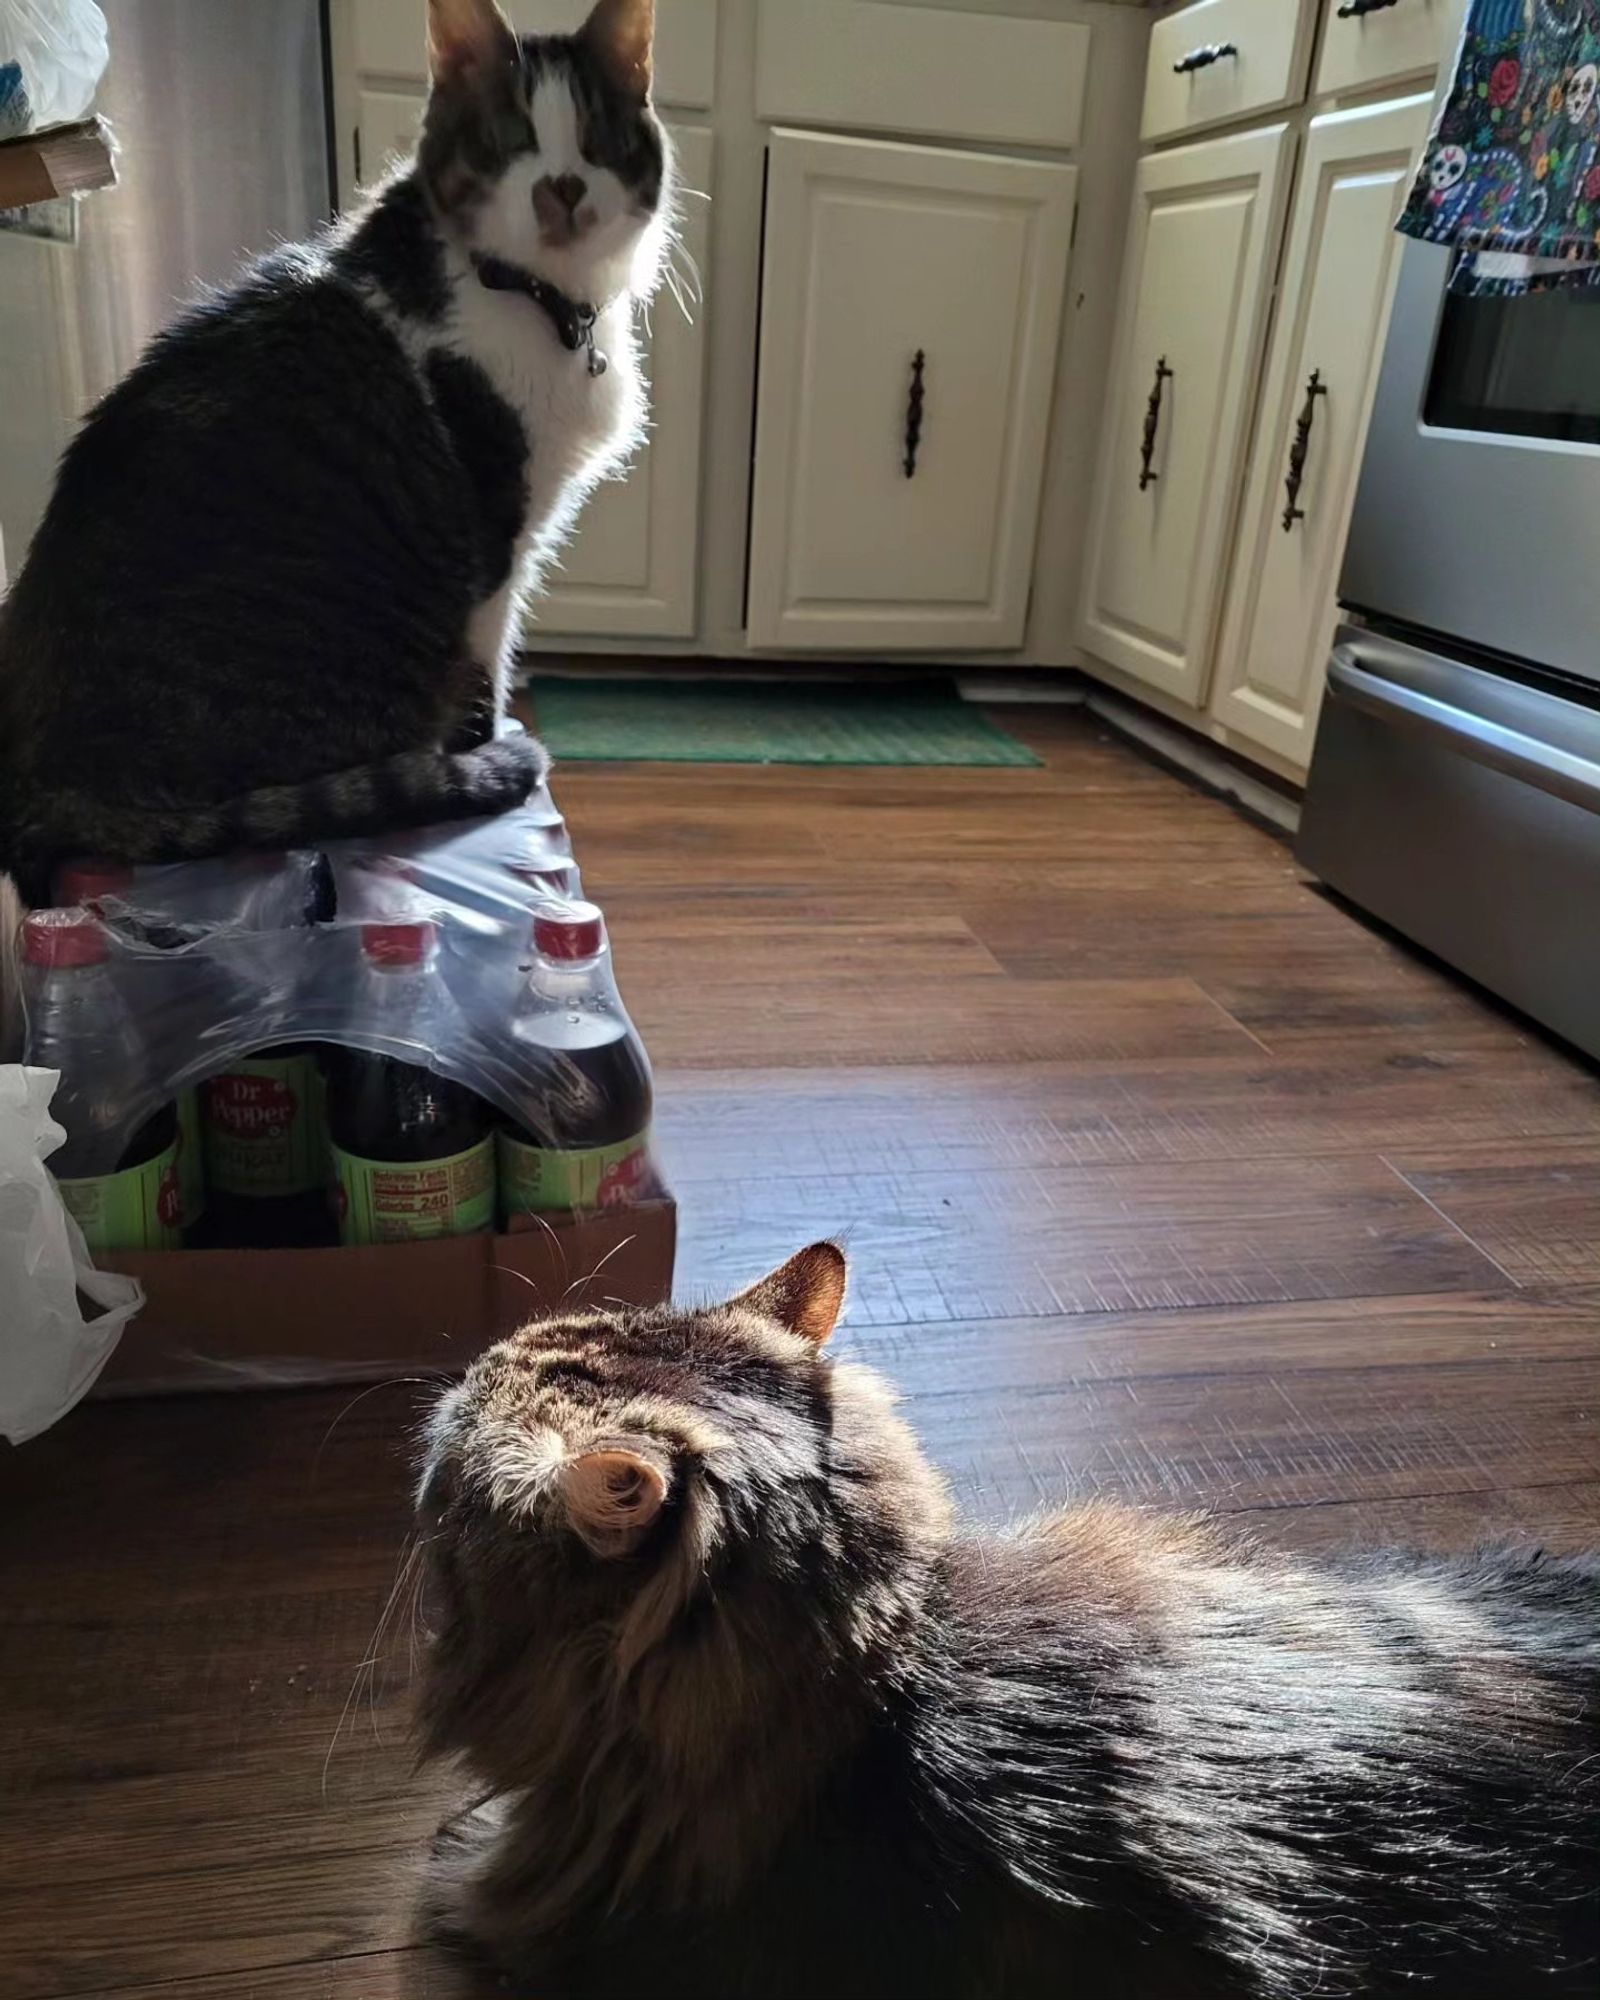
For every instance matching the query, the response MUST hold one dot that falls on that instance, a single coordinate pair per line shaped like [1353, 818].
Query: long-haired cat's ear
[468, 40]
[620, 34]
[611, 1497]
[804, 1295]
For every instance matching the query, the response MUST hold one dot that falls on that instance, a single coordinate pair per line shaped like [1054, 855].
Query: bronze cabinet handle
[1293, 480]
[1352, 10]
[1203, 57]
[914, 414]
[1152, 418]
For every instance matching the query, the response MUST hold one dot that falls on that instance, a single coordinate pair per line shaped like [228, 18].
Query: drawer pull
[914, 414]
[1352, 10]
[1295, 477]
[1152, 418]
[1204, 56]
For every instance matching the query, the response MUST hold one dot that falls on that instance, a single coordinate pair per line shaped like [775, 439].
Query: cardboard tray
[253, 1319]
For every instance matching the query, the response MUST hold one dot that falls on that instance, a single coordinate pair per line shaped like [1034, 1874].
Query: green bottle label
[535, 1178]
[191, 1158]
[264, 1131]
[140, 1208]
[381, 1201]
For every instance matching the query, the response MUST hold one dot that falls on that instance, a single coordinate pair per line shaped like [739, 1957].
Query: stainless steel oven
[1455, 788]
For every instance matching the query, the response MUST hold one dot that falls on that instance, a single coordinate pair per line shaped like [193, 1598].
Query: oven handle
[1545, 766]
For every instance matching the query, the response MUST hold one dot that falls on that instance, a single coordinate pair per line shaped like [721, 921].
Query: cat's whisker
[393, 1382]
[674, 284]
[522, 1278]
[410, 1550]
[688, 268]
[606, 1259]
[561, 1248]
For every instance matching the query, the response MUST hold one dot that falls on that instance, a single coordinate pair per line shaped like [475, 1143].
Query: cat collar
[572, 319]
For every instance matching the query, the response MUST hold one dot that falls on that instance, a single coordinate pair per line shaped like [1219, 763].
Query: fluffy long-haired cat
[748, 1715]
[274, 594]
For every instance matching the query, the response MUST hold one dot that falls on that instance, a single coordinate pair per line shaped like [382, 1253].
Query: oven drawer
[1225, 59]
[1367, 43]
[1463, 808]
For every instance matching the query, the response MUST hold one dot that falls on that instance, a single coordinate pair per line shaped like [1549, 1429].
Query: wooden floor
[1162, 1176]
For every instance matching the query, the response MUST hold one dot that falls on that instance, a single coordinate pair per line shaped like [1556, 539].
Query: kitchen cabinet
[911, 308]
[387, 38]
[1368, 43]
[996, 79]
[1220, 60]
[1343, 256]
[1202, 235]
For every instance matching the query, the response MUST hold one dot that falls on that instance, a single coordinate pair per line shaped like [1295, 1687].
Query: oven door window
[1526, 367]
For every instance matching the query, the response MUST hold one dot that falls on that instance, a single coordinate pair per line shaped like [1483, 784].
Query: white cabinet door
[1196, 283]
[875, 254]
[1338, 280]
[629, 570]
[388, 123]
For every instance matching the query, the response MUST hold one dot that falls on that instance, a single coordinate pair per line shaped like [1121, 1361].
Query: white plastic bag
[49, 1354]
[53, 54]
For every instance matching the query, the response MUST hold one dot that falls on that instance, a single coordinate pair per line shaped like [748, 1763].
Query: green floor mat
[742, 722]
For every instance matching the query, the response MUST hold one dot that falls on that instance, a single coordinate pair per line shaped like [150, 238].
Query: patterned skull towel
[1511, 175]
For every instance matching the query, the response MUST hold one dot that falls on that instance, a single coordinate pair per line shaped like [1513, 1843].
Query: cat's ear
[612, 1497]
[804, 1295]
[468, 41]
[620, 34]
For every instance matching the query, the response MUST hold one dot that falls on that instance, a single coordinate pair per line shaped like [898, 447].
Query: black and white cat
[275, 593]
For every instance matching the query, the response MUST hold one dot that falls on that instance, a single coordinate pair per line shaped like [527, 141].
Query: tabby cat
[274, 596]
[749, 1716]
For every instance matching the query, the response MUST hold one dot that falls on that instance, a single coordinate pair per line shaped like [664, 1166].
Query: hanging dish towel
[1511, 176]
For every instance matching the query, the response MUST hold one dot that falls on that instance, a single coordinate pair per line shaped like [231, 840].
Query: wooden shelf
[63, 159]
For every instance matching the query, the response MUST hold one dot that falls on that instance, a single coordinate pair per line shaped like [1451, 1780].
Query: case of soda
[380, 1042]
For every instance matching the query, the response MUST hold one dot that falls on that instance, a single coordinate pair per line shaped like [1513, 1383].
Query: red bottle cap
[60, 938]
[397, 944]
[91, 880]
[569, 930]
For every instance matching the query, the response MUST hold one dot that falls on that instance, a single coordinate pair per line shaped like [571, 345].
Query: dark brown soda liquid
[263, 1126]
[380, 1108]
[387, 1117]
[598, 1095]
[582, 1137]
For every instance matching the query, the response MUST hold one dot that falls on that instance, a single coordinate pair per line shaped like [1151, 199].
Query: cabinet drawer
[910, 319]
[1190, 84]
[389, 39]
[1370, 42]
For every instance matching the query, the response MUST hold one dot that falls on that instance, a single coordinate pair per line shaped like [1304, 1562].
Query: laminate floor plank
[1163, 1176]
[1003, 1243]
[765, 1123]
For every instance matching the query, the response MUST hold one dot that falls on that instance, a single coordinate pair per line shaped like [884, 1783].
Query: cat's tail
[414, 788]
